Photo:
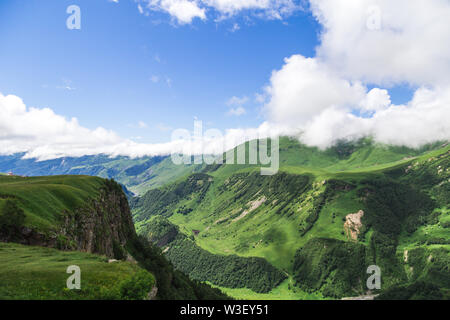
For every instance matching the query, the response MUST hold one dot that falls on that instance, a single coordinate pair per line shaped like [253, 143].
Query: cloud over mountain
[381, 43]
[43, 134]
[386, 42]
[366, 47]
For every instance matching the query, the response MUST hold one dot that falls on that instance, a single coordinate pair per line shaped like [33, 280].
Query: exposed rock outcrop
[353, 224]
[102, 226]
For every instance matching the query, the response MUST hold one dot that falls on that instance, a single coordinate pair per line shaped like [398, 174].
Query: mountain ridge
[89, 221]
[234, 210]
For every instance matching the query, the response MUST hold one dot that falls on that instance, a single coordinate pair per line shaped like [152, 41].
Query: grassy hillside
[85, 214]
[226, 270]
[403, 194]
[38, 273]
[307, 232]
[138, 174]
[44, 199]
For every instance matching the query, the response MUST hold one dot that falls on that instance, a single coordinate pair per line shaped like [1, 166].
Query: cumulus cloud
[271, 8]
[423, 120]
[376, 99]
[304, 87]
[42, 134]
[185, 11]
[307, 96]
[321, 99]
[384, 41]
[379, 42]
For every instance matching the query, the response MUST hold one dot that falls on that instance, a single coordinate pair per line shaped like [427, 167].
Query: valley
[308, 232]
[49, 223]
[232, 210]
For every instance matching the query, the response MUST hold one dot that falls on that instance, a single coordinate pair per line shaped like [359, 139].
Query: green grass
[438, 230]
[28, 272]
[275, 236]
[44, 199]
[285, 291]
[247, 237]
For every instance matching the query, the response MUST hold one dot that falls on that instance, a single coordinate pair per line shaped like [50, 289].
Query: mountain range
[311, 231]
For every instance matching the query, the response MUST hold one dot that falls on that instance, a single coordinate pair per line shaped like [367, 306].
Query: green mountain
[308, 232]
[88, 219]
[138, 174]
[312, 229]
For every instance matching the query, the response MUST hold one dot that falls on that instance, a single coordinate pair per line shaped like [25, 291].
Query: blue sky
[111, 61]
[123, 67]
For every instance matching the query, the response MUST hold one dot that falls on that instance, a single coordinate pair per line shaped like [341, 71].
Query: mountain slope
[139, 174]
[37, 273]
[142, 174]
[68, 212]
[375, 200]
[86, 214]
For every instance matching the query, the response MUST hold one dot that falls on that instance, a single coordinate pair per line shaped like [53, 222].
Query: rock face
[102, 226]
[353, 224]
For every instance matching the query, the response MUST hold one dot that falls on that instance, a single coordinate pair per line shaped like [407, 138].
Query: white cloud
[236, 101]
[308, 97]
[154, 79]
[303, 88]
[42, 134]
[365, 42]
[238, 111]
[235, 27]
[316, 97]
[275, 9]
[377, 99]
[423, 120]
[385, 41]
[185, 11]
[236, 106]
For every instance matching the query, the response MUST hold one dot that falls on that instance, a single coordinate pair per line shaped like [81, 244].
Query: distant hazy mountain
[321, 222]
[142, 174]
[138, 175]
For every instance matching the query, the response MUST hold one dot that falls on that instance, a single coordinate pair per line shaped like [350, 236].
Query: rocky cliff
[102, 225]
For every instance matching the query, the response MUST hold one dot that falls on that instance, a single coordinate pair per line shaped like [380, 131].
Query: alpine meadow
[216, 153]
